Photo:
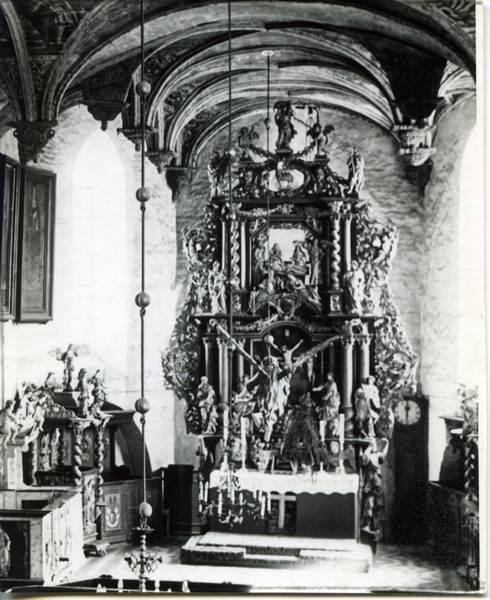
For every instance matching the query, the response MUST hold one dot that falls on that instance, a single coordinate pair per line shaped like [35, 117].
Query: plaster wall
[446, 297]
[98, 274]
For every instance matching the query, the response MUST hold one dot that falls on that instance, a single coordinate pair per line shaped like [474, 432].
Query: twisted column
[77, 455]
[347, 376]
[99, 463]
[235, 253]
[347, 242]
[335, 253]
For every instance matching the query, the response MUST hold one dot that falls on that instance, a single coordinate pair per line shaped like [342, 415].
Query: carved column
[32, 137]
[31, 474]
[223, 371]
[99, 463]
[240, 362]
[208, 358]
[224, 247]
[335, 257]
[364, 359]
[234, 253]
[347, 223]
[77, 454]
[347, 376]
[243, 256]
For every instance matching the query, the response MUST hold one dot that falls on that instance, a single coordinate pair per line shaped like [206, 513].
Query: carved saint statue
[354, 289]
[284, 115]
[372, 493]
[216, 286]
[206, 398]
[367, 407]
[356, 172]
[4, 554]
[330, 403]
[84, 389]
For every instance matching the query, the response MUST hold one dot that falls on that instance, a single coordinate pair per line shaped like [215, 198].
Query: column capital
[32, 137]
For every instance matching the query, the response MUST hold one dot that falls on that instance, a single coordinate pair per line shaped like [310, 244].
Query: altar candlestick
[225, 425]
[322, 430]
[244, 440]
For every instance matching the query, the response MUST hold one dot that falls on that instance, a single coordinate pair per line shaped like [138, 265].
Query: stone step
[275, 551]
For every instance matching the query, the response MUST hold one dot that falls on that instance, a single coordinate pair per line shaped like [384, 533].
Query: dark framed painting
[9, 215]
[36, 248]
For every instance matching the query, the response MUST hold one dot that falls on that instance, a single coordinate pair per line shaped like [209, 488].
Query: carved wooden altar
[288, 317]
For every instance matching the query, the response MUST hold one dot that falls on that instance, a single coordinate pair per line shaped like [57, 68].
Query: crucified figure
[287, 354]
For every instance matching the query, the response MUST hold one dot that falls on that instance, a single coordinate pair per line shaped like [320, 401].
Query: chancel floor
[394, 569]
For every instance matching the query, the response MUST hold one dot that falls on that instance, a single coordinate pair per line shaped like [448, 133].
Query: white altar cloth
[282, 483]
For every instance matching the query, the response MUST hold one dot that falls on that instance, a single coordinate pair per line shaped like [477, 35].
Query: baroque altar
[289, 352]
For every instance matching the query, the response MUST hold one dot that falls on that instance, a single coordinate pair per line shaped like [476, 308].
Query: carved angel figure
[98, 392]
[68, 358]
[84, 389]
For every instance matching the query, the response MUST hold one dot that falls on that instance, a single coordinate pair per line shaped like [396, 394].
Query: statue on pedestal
[216, 287]
[206, 398]
[372, 494]
[354, 289]
[368, 405]
[328, 411]
[283, 118]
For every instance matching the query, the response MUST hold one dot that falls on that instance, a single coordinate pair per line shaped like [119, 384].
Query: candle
[201, 495]
[241, 498]
[206, 490]
[244, 440]
[225, 425]
[220, 502]
[262, 506]
[233, 494]
[322, 430]
[341, 431]
[268, 502]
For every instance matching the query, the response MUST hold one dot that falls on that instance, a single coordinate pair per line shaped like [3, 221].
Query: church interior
[241, 296]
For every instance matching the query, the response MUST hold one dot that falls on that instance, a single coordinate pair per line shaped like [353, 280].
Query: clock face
[407, 412]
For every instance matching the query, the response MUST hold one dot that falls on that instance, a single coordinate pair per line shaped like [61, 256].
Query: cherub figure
[98, 392]
[9, 424]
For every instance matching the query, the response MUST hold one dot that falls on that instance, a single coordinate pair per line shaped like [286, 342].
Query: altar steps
[275, 551]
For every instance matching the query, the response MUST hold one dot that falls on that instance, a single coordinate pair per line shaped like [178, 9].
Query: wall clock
[407, 412]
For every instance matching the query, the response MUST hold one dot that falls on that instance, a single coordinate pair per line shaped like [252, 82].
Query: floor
[395, 569]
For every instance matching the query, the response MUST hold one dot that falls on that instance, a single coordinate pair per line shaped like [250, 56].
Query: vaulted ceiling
[393, 62]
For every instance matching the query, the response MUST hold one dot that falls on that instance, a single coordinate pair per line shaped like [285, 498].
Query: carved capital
[161, 159]
[32, 137]
[177, 179]
[104, 111]
[133, 134]
[415, 142]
